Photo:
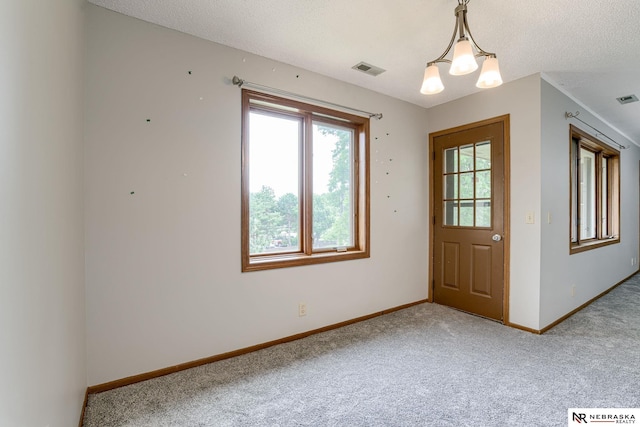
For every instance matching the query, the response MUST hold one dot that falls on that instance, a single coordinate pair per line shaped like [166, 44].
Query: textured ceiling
[588, 48]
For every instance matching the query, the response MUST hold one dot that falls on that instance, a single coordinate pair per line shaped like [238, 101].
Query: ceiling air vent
[627, 99]
[372, 70]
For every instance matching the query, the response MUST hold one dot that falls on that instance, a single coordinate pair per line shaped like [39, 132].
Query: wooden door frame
[507, 202]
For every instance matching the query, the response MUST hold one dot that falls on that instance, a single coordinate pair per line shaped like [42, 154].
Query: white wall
[595, 271]
[163, 279]
[42, 345]
[163, 265]
[520, 99]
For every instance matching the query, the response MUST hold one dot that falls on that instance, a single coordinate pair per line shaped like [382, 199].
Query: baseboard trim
[523, 328]
[571, 313]
[566, 316]
[195, 363]
[84, 407]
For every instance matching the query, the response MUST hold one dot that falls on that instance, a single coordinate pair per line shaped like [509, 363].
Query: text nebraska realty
[611, 418]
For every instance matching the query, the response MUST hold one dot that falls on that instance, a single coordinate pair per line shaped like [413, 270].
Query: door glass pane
[483, 155]
[333, 175]
[483, 213]
[274, 186]
[450, 213]
[466, 185]
[451, 186]
[466, 213]
[587, 194]
[483, 184]
[466, 158]
[451, 160]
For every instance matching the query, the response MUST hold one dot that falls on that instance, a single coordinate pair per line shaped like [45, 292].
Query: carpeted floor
[427, 365]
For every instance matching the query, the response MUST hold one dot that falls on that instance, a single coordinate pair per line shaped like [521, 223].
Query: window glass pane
[483, 184]
[274, 199]
[451, 160]
[451, 186]
[466, 158]
[333, 197]
[466, 185]
[483, 155]
[483, 213]
[605, 198]
[450, 213]
[574, 192]
[587, 194]
[466, 213]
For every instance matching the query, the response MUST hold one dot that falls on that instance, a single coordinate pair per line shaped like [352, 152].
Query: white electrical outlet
[573, 290]
[302, 309]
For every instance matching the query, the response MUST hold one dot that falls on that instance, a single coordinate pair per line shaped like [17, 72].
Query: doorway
[469, 226]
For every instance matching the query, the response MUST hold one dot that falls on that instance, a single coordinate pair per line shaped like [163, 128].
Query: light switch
[530, 218]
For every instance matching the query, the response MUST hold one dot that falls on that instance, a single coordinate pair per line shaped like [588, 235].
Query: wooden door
[468, 218]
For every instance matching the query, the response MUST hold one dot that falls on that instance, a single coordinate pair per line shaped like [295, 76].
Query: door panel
[451, 265]
[468, 208]
[480, 274]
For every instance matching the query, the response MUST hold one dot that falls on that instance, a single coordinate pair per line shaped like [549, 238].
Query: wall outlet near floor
[573, 290]
[302, 309]
[633, 261]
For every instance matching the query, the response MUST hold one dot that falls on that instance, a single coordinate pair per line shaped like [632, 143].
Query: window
[305, 183]
[467, 185]
[595, 192]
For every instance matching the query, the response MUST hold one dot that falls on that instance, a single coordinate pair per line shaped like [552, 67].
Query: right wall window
[595, 192]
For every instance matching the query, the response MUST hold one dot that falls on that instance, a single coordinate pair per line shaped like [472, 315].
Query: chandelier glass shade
[463, 62]
[432, 83]
[490, 74]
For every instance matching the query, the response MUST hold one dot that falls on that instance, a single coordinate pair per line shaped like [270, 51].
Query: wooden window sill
[295, 260]
[587, 246]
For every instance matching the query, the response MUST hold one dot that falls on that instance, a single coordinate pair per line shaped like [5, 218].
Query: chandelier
[464, 59]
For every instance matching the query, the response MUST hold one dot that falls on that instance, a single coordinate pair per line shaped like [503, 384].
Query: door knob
[496, 237]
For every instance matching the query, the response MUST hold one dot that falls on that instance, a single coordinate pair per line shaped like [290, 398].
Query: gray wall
[42, 309]
[163, 266]
[592, 272]
[163, 281]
